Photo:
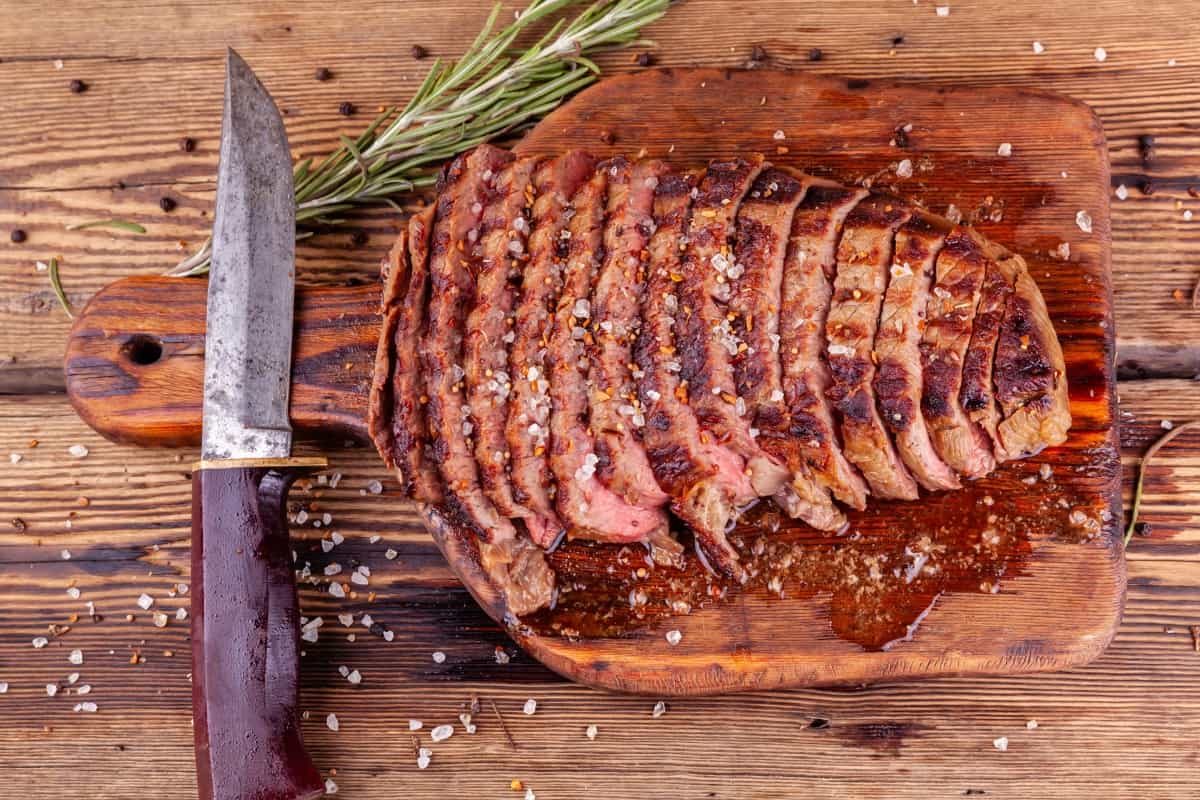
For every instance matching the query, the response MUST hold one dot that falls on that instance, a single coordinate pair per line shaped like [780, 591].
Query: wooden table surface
[106, 528]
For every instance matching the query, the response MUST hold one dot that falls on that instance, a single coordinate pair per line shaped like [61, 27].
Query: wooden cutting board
[1019, 572]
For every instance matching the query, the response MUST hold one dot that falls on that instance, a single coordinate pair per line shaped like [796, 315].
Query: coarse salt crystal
[336, 538]
[73, 678]
[943, 11]
[336, 589]
[591, 732]
[1000, 744]
[468, 726]
[346, 619]
[326, 546]
[529, 795]
[1100, 53]
[1032, 724]
[388, 636]
[77, 450]
[330, 786]
[415, 724]
[776, 395]
[779, 136]
[66, 554]
[423, 756]
[355, 677]
[390, 554]
[367, 620]
[375, 487]
[674, 637]
[73, 592]
[359, 579]
[660, 708]
[502, 656]
[1166, 424]
[51, 689]
[1187, 215]
[15, 458]
[3, 687]
[904, 169]
[331, 722]
[441, 733]
[1038, 48]
[439, 657]
[1084, 220]
[84, 689]
[86, 707]
[530, 707]
[76, 657]
[1121, 192]
[1005, 149]
[181, 614]
[332, 569]
[374, 538]
[145, 601]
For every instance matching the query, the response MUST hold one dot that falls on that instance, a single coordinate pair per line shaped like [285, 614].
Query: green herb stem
[56, 284]
[119, 224]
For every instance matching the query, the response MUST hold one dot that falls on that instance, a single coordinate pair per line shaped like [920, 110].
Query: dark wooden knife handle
[135, 360]
[245, 635]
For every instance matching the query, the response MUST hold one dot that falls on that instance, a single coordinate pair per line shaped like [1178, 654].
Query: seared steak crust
[764, 224]
[977, 396]
[394, 272]
[961, 267]
[1030, 374]
[898, 348]
[452, 280]
[616, 413]
[863, 260]
[706, 482]
[527, 431]
[590, 509]
[502, 237]
[809, 267]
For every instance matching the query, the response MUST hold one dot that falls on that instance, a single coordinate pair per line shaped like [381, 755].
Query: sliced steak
[706, 481]
[864, 257]
[394, 272]
[764, 224]
[527, 431]
[590, 509]
[978, 396]
[1030, 374]
[502, 244]
[808, 271]
[898, 348]
[616, 411]
[961, 267]
[463, 190]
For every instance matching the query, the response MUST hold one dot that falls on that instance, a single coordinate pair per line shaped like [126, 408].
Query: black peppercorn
[1147, 187]
[1146, 147]
[359, 238]
[323, 74]
[644, 60]
[758, 53]
[78, 86]
[1142, 528]
[901, 136]
[815, 54]
[897, 40]
[346, 109]
[187, 144]
[166, 204]
[419, 52]
[17, 236]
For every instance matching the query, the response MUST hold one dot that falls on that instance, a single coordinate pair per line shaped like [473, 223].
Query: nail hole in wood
[142, 349]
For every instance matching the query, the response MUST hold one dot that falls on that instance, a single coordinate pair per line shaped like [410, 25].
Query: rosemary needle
[56, 284]
[494, 89]
[120, 224]
[1146, 459]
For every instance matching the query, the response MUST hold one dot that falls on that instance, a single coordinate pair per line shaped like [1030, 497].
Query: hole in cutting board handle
[142, 349]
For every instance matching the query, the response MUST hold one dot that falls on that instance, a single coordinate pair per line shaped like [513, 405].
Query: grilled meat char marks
[527, 430]
[616, 413]
[1030, 374]
[977, 396]
[590, 509]
[809, 268]
[764, 223]
[452, 289]
[706, 482]
[863, 260]
[502, 240]
[961, 267]
[395, 277]
[898, 348]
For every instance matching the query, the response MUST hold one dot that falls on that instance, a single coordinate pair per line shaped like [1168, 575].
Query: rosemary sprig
[120, 224]
[56, 285]
[494, 89]
[1146, 459]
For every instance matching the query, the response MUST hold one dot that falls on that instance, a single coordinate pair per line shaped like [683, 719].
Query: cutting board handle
[135, 360]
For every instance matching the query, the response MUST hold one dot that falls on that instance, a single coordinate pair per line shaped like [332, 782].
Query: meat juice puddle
[881, 577]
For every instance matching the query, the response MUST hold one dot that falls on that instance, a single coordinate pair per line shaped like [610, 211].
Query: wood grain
[1123, 727]
[155, 76]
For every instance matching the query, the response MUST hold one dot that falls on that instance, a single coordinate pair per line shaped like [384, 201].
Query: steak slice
[898, 348]
[706, 482]
[978, 396]
[961, 267]
[461, 194]
[527, 430]
[590, 509]
[764, 224]
[502, 252]
[863, 259]
[807, 289]
[395, 274]
[616, 413]
[1030, 374]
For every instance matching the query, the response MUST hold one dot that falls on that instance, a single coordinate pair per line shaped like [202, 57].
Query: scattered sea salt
[1084, 220]
[51, 689]
[73, 592]
[1005, 149]
[15, 458]
[181, 614]
[439, 657]
[66, 554]
[78, 450]
[40, 642]
[76, 657]
[530, 707]
[1032, 724]
[660, 708]
[145, 601]
[943, 11]
[1166, 424]
[336, 538]
[390, 554]
[779, 136]
[1000, 744]
[3, 687]
[375, 487]
[86, 708]
[1038, 48]
[502, 656]
[591, 732]
[441, 733]
[415, 724]
[331, 722]
[674, 637]
[355, 677]
[1100, 53]
[330, 786]
[1122, 192]
[423, 757]
[336, 589]
[904, 169]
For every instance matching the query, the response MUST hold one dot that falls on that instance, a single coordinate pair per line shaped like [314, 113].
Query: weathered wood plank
[1126, 726]
[155, 77]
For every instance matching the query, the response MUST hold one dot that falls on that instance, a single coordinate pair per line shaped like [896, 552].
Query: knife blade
[245, 614]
